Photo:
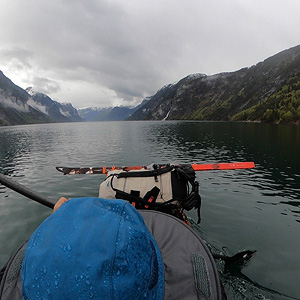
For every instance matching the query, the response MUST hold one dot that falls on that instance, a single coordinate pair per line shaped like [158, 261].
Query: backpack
[190, 270]
[170, 189]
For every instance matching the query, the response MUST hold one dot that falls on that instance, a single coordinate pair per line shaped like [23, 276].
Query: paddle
[23, 190]
[238, 258]
[196, 167]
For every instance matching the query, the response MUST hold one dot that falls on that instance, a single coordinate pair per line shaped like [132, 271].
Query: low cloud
[18, 57]
[37, 106]
[12, 102]
[45, 85]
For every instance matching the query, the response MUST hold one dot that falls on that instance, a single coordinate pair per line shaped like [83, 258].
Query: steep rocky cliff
[18, 106]
[254, 93]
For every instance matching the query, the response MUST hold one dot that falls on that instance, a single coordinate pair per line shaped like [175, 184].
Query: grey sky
[116, 52]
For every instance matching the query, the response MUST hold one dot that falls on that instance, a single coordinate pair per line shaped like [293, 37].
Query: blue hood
[93, 248]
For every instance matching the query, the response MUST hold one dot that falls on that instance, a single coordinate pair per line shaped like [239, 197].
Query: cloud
[12, 102]
[37, 106]
[17, 56]
[121, 51]
[45, 85]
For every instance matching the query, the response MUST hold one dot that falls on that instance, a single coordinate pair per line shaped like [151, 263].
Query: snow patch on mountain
[196, 76]
[30, 91]
[167, 86]
[64, 113]
[217, 76]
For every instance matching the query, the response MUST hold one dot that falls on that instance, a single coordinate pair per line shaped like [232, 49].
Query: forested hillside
[268, 92]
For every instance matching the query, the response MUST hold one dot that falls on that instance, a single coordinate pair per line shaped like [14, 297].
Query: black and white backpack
[169, 189]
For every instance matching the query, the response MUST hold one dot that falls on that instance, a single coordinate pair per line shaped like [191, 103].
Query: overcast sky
[116, 52]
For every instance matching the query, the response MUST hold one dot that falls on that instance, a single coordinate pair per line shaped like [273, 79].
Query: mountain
[118, 113]
[60, 112]
[18, 106]
[13, 105]
[94, 113]
[268, 91]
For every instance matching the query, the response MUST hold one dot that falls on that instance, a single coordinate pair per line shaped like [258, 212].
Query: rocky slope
[60, 112]
[117, 113]
[268, 91]
[18, 106]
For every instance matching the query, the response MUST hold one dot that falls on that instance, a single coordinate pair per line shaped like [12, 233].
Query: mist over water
[255, 209]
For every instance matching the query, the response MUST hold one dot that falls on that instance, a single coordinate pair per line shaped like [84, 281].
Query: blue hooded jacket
[92, 248]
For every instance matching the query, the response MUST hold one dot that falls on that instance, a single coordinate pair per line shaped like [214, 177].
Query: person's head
[92, 248]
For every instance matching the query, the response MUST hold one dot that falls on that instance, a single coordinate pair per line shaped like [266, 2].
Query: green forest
[281, 107]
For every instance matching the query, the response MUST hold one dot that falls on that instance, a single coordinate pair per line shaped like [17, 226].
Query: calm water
[255, 209]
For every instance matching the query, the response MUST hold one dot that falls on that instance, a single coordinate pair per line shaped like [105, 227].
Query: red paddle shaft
[223, 166]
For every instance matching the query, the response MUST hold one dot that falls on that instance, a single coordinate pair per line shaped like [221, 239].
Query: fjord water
[256, 209]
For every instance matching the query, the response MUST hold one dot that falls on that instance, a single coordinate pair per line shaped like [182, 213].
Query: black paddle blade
[242, 257]
[237, 259]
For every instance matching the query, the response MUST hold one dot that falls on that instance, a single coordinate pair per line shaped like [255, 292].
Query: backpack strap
[11, 283]
[150, 173]
[193, 198]
[190, 270]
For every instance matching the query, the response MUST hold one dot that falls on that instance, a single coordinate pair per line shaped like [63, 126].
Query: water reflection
[293, 204]
[13, 148]
[274, 149]
[257, 209]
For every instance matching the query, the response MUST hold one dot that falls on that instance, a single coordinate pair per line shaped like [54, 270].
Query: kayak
[161, 194]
